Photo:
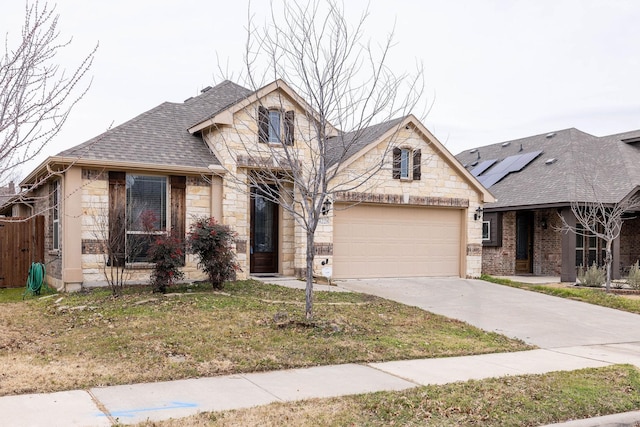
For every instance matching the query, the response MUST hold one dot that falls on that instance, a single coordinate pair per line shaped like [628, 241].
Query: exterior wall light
[326, 205]
[478, 214]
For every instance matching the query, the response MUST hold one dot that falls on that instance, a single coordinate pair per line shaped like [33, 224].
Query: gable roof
[159, 136]
[585, 167]
[349, 146]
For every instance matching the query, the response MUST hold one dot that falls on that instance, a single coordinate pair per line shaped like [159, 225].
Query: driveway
[542, 320]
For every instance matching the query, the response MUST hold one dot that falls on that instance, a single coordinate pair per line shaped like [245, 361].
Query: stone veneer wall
[440, 185]
[95, 199]
[238, 150]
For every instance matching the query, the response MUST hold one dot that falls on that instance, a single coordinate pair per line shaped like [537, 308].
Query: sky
[495, 70]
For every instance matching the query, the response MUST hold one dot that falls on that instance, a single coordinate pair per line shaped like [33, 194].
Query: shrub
[212, 243]
[166, 252]
[634, 276]
[593, 276]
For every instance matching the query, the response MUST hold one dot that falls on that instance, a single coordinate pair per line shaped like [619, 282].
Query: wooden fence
[21, 243]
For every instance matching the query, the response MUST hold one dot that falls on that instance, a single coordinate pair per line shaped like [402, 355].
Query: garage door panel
[391, 241]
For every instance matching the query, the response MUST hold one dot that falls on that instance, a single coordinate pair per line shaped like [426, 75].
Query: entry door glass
[263, 238]
[522, 238]
[524, 243]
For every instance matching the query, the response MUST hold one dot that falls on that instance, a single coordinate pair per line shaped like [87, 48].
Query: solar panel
[483, 167]
[510, 164]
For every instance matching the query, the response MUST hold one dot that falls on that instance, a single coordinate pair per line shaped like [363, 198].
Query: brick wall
[547, 243]
[630, 242]
[501, 260]
[547, 246]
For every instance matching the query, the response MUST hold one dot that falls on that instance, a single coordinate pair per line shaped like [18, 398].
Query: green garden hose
[35, 281]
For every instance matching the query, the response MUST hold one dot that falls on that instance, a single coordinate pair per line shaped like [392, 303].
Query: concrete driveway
[542, 320]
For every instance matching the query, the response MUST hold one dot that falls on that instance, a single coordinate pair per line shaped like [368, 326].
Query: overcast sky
[495, 69]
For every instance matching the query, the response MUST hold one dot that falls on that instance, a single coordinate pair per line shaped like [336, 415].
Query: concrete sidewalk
[572, 335]
[130, 404]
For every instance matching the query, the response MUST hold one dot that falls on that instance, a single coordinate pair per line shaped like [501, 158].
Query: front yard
[75, 341]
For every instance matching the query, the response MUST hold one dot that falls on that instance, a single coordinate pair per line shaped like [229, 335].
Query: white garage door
[392, 241]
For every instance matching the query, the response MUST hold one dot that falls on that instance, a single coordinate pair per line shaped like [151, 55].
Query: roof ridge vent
[550, 135]
[473, 150]
[206, 89]
[506, 144]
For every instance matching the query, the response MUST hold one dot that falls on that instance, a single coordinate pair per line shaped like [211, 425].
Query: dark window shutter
[397, 153]
[178, 209]
[417, 158]
[263, 125]
[289, 118]
[117, 206]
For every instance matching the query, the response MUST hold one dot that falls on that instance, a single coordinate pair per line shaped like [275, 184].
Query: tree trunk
[608, 260]
[309, 287]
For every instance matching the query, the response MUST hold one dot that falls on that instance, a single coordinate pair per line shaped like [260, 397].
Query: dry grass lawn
[92, 339]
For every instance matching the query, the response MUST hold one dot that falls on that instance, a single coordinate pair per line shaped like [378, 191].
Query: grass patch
[589, 295]
[93, 339]
[18, 294]
[528, 400]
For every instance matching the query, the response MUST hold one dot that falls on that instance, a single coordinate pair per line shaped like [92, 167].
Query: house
[7, 192]
[535, 179]
[183, 160]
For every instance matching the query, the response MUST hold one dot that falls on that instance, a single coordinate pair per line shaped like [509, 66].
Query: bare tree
[350, 95]
[36, 96]
[602, 220]
[109, 221]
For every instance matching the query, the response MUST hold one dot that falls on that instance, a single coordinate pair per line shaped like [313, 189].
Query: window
[407, 163]
[491, 229]
[404, 163]
[486, 231]
[55, 214]
[146, 213]
[589, 249]
[274, 127]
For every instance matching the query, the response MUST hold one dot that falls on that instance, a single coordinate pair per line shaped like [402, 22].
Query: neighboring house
[535, 179]
[7, 192]
[175, 161]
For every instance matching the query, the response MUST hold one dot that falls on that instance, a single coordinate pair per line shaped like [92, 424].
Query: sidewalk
[130, 404]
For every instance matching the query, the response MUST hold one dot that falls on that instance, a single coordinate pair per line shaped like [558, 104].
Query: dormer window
[407, 163]
[274, 126]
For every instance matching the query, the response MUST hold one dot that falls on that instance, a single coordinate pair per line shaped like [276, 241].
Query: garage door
[392, 241]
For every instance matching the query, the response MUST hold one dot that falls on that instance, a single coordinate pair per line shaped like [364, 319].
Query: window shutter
[289, 117]
[263, 125]
[117, 203]
[417, 158]
[397, 153]
[178, 209]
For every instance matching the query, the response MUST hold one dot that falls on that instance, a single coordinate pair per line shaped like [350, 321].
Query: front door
[524, 243]
[264, 234]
